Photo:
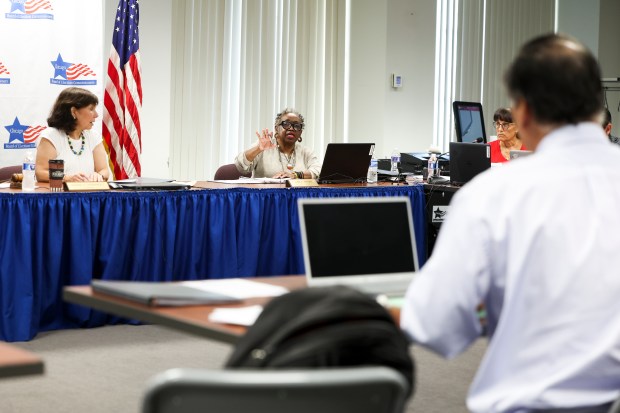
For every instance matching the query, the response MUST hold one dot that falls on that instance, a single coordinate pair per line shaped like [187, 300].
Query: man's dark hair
[559, 78]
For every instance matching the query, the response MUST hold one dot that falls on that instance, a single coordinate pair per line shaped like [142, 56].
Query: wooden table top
[190, 319]
[15, 361]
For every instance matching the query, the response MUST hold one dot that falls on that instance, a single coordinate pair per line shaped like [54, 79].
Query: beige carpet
[105, 369]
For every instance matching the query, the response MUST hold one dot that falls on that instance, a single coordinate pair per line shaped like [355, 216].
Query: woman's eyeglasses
[504, 126]
[289, 125]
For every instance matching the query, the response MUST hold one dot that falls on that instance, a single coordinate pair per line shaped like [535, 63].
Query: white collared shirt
[538, 241]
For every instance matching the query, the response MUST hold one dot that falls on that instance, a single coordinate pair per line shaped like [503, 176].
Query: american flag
[34, 5]
[3, 69]
[78, 70]
[32, 133]
[123, 94]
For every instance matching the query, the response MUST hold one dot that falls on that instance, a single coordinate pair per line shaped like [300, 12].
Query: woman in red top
[507, 136]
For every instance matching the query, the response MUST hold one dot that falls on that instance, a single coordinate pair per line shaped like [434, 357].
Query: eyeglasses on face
[290, 125]
[504, 125]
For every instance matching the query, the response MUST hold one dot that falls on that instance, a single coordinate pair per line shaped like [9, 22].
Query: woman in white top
[284, 156]
[70, 137]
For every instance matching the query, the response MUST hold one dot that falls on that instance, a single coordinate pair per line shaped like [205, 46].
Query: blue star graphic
[18, 5]
[60, 67]
[16, 131]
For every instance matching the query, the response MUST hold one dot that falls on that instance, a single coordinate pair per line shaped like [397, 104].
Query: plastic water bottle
[432, 166]
[395, 158]
[28, 172]
[372, 171]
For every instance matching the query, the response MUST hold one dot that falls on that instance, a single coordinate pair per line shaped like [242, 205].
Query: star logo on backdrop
[18, 5]
[16, 131]
[60, 67]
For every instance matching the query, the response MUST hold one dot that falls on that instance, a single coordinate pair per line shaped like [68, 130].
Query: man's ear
[608, 129]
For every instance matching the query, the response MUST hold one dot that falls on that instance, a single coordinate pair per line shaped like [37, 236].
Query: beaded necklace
[290, 160]
[81, 148]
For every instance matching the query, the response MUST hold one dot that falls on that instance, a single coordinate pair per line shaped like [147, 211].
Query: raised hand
[264, 140]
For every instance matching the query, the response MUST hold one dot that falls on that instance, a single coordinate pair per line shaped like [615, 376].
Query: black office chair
[228, 172]
[360, 390]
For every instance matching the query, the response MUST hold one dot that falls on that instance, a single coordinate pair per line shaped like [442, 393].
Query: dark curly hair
[72, 97]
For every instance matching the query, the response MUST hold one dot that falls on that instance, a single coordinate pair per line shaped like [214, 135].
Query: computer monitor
[469, 122]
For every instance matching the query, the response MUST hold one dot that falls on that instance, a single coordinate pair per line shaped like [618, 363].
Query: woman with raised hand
[280, 154]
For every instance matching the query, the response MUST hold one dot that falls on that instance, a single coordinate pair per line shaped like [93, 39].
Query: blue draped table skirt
[49, 241]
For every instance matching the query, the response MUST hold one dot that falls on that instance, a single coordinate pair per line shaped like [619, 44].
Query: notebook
[365, 243]
[346, 163]
[160, 293]
[468, 160]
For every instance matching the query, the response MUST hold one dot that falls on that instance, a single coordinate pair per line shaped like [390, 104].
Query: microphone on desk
[478, 140]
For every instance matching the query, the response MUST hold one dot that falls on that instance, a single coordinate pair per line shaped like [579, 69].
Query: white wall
[392, 36]
[609, 38]
[595, 23]
[609, 55]
[579, 19]
[155, 49]
[411, 53]
[367, 71]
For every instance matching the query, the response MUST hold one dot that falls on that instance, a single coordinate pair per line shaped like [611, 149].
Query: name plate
[299, 183]
[86, 186]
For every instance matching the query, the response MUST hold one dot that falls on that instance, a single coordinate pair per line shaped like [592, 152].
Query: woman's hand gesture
[264, 140]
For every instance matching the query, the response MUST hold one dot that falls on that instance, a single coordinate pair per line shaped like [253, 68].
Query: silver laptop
[366, 243]
[515, 154]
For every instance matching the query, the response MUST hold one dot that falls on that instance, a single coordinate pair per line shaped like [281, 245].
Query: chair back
[359, 389]
[228, 172]
[7, 172]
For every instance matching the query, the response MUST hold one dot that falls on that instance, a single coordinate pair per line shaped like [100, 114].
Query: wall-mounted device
[397, 80]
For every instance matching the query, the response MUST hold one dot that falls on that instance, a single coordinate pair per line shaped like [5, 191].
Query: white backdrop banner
[47, 45]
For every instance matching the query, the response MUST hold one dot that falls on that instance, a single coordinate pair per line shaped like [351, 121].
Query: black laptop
[346, 163]
[468, 160]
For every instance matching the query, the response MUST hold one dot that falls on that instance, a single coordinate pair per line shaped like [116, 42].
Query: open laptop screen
[346, 162]
[346, 237]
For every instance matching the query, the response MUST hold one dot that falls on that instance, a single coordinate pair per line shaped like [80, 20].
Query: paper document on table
[243, 316]
[238, 288]
[252, 181]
